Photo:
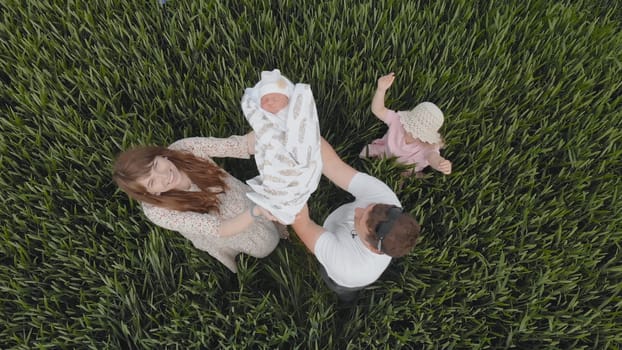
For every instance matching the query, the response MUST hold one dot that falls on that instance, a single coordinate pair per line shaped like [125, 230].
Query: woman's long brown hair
[135, 163]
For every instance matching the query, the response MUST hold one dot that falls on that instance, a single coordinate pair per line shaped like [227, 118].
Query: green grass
[521, 244]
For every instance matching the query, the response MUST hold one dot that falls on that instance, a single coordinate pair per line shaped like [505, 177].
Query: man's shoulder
[372, 190]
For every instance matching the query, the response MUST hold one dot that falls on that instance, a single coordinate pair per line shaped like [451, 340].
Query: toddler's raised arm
[377, 103]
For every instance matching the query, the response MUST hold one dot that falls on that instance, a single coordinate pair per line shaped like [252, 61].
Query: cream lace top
[258, 240]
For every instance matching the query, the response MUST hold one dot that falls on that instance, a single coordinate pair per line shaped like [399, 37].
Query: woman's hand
[257, 211]
[243, 220]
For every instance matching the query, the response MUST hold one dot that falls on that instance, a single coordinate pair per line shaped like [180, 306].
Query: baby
[412, 136]
[287, 144]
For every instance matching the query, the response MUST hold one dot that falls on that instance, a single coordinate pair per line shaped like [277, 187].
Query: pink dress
[258, 240]
[393, 144]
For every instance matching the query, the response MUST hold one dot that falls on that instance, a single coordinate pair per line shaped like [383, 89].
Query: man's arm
[335, 169]
[308, 231]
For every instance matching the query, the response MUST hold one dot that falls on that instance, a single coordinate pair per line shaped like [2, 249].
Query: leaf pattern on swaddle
[274, 179]
[309, 155]
[269, 147]
[275, 192]
[264, 128]
[280, 138]
[313, 163]
[287, 161]
[289, 172]
[297, 107]
[294, 201]
[301, 133]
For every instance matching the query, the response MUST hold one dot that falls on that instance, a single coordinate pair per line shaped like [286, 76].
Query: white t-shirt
[347, 260]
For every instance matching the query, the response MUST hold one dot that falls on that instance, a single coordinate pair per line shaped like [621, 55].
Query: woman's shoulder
[166, 217]
[159, 215]
[152, 210]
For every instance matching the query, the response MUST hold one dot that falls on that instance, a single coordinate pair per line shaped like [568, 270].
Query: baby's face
[274, 102]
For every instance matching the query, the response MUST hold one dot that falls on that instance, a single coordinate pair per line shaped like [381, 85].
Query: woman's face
[164, 176]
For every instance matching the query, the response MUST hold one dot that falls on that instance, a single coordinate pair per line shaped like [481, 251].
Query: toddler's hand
[444, 167]
[385, 82]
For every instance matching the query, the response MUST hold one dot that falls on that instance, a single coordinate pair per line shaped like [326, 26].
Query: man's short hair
[403, 235]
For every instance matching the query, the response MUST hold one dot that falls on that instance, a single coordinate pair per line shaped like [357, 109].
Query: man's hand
[302, 216]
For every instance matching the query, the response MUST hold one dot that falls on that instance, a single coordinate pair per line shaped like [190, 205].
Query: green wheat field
[520, 246]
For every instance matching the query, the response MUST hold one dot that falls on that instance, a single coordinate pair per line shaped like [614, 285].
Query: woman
[180, 188]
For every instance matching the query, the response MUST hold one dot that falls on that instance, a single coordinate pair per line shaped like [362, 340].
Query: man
[360, 238]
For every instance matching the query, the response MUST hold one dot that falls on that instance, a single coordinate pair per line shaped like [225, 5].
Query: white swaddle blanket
[287, 152]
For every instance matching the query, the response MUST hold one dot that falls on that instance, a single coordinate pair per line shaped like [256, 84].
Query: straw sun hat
[423, 122]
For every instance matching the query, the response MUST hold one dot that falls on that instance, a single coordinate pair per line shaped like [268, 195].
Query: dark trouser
[345, 294]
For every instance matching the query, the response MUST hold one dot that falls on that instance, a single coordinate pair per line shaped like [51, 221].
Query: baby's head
[423, 122]
[274, 91]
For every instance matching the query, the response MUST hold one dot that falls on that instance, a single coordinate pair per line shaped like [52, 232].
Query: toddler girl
[412, 136]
